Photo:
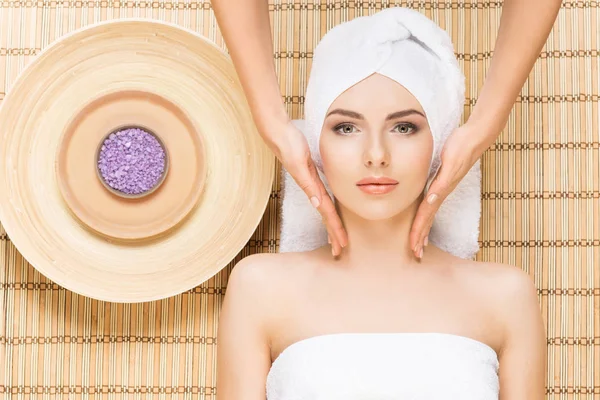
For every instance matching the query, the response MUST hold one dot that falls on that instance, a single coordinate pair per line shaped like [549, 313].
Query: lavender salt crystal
[131, 161]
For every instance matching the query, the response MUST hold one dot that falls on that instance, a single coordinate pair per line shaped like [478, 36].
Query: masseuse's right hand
[245, 26]
[291, 148]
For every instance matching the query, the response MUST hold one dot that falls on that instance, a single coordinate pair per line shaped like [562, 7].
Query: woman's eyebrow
[346, 113]
[355, 115]
[404, 113]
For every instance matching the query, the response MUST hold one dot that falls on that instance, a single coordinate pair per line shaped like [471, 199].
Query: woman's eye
[404, 129]
[345, 129]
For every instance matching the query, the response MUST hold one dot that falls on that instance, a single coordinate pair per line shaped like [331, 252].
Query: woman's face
[376, 148]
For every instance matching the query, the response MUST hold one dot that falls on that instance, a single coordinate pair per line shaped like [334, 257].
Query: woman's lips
[377, 185]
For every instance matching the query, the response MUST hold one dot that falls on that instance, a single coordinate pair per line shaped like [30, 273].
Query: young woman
[375, 322]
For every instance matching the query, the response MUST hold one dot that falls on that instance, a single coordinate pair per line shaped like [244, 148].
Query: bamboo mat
[540, 189]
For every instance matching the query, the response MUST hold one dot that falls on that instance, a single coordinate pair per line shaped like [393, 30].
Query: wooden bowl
[62, 218]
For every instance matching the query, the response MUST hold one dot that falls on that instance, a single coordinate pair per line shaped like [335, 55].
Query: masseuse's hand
[459, 154]
[246, 28]
[292, 150]
[511, 63]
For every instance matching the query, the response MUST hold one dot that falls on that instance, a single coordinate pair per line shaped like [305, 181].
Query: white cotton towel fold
[412, 50]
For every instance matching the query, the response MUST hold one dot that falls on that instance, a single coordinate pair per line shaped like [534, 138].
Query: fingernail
[314, 201]
[421, 253]
[426, 241]
[328, 239]
[432, 198]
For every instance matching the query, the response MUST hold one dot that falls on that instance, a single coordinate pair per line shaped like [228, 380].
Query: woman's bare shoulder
[510, 297]
[502, 283]
[272, 267]
[496, 279]
[269, 275]
[509, 290]
[502, 280]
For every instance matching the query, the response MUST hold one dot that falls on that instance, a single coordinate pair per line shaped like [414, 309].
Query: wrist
[273, 129]
[487, 128]
[481, 137]
[269, 115]
[269, 121]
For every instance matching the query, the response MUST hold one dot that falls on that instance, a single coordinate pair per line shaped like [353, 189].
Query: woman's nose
[376, 154]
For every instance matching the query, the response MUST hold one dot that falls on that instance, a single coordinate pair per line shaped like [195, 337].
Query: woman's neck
[382, 242]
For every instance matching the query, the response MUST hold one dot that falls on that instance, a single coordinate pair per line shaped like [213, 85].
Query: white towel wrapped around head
[407, 47]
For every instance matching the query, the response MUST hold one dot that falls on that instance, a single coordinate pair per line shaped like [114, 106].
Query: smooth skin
[376, 285]
[524, 28]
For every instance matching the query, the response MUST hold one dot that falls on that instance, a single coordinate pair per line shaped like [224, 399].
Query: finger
[329, 215]
[428, 225]
[423, 242]
[332, 219]
[426, 213]
[313, 187]
[308, 180]
[425, 236]
[418, 226]
[329, 239]
[335, 247]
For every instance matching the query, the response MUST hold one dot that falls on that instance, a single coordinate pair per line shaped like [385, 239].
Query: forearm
[246, 29]
[524, 28]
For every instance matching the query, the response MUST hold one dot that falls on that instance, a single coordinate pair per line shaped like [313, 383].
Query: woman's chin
[378, 210]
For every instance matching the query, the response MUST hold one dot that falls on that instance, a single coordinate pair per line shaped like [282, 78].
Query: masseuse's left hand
[511, 63]
[459, 154]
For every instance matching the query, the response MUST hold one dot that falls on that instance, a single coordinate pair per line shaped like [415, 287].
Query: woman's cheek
[336, 154]
[338, 171]
[416, 157]
[334, 172]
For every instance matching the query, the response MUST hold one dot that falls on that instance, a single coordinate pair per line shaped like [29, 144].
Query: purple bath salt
[131, 161]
